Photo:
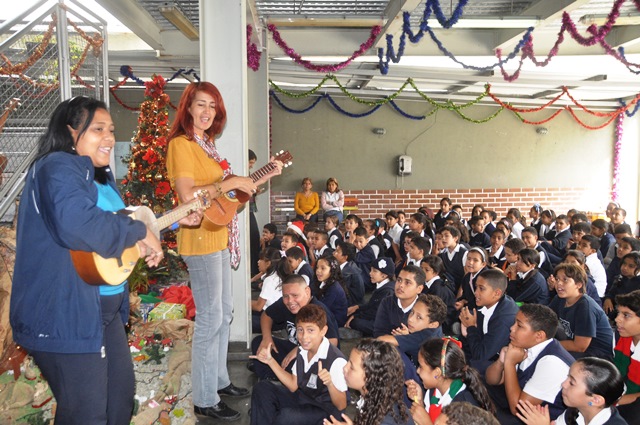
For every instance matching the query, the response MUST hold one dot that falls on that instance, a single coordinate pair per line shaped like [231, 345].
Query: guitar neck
[262, 172]
[177, 213]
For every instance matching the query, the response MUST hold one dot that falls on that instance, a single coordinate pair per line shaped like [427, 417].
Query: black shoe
[219, 411]
[251, 366]
[233, 391]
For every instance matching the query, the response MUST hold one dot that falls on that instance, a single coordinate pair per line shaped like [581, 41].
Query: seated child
[489, 221]
[447, 378]
[424, 322]
[351, 223]
[496, 250]
[548, 220]
[515, 216]
[532, 367]
[362, 316]
[463, 413]
[435, 285]
[364, 254]
[295, 295]
[270, 237]
[442, 214]
[322, 247]
[419, 224]
[454, 256]
[530, 239]
[476, 263]
[372, 232]
[590, 393]
[394, 310]
[486, 331]
[291, 239]
[418, 248]
[557, 239]
[331, 224]
[626, 245]
[406, 244]
[530, 286]
[627, 354]
[297, 265]
[314, 389]
[345, 253]
[584, 328]
[627, 281]
[328, 288]
[578, 230]
[272, 274]
[478, 237]
[599, 229]
[375, 370]
[385, 239]
[512, 248]
[589, 245]
[576, 257]
[394, 229]
[620, 232]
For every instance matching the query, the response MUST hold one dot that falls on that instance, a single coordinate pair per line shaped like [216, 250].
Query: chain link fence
[32, 55]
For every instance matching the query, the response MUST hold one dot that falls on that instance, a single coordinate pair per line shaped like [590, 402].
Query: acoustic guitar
[225, 206]
[97, 270]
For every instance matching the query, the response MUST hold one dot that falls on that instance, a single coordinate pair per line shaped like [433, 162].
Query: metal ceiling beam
[547, 10]
[136, 19]
[624, 36]
[393, 15]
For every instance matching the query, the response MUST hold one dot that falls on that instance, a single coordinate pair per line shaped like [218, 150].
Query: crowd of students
[479, 321]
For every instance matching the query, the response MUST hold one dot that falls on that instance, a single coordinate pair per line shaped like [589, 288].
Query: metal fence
[51, 52]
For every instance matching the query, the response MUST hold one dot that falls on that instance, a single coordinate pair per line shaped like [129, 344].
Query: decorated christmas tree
[147, 184]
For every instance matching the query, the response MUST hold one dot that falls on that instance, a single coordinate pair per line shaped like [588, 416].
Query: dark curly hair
[383, 384]
[455, 367]
[335, 276]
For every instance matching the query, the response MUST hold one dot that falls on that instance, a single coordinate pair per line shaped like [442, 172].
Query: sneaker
[233, 391]
[219, 411]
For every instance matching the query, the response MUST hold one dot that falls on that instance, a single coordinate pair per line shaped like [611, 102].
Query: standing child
[530, 286]
[627, 354]
[590, 392]
[443, 213]
[314, 389]
[329, 289]
[447, 378]
[375, 371]
[424, 322]
[478, 237]
[393, 311]
[584, 328]
[362, 316]
[433, 269]
[486, 331]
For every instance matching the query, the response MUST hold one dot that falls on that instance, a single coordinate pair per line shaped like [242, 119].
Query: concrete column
[223, 62]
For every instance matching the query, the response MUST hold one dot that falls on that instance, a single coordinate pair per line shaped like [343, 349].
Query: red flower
[162, 189]
[155, 88]
[150, 156]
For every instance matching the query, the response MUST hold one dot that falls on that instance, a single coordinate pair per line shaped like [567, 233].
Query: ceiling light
[181, 22]
[490, 23]
[623, 19]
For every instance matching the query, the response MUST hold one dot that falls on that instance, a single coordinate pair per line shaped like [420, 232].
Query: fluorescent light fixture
[174, 15]
[490, 23]
[623, 19]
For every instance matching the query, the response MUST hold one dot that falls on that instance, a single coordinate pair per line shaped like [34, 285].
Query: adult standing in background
[193, 163]
[333, 199]
[307, 203]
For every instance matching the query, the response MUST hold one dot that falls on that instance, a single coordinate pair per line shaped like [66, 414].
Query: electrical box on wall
[404, 165]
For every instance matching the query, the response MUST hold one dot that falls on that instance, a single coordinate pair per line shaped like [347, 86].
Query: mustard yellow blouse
[306, 204]
[185, 158]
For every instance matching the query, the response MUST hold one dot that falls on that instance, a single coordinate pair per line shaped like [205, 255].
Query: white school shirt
[598, 419]
[487, 313]
[546, 382]
[336, 370]
[598, 272]
[395, 232]
[271, 289]
[376, 248]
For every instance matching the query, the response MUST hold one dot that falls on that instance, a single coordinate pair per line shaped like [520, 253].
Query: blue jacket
[52, 308]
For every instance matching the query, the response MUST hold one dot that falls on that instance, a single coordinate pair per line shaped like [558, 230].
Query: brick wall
[375, 203]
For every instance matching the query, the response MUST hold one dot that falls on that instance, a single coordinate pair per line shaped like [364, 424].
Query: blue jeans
[213, 295]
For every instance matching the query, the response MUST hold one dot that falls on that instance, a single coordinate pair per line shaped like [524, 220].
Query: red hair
[183, 124]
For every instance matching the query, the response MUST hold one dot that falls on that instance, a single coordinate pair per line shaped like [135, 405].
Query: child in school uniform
[557, 239]
[322, 248]
[530, 286]
[578, 230]
[584, 327]
[271, 275]
[534, 215]
[626, 245]
[375, 370]
[478, 237]
[627, 281]
[329, 288]
[496, 250]
[314, 389]
[547, 261]
[442, 214]
[297, 264]
[515, 217]
[490, 218]
[627, 354]
[486, 331]
[511, 249]
[394, 230]
[362, 317]
[599, 229]
[576, 257]
[270, 237]
[548, 220]
[447, 379]
[345, 254]
[454, 256]
[418, 248]
[364, 255]
[424, 322]
[434, 284]
[476, 263]
[531, 367]
[417, 223]
[406, 244]
[393, 311]
[331, 224]
[351, 223]
[589, 245]
[372, 232]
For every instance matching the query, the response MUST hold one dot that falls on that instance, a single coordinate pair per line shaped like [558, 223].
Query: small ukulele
[97, 270]
[224, 207]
